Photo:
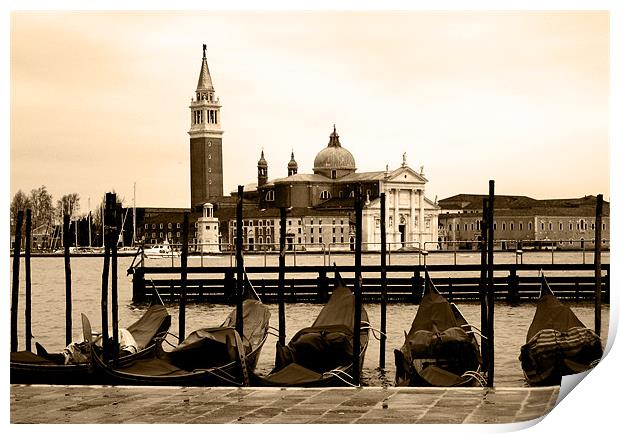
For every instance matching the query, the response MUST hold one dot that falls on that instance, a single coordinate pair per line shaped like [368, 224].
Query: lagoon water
[511, 322]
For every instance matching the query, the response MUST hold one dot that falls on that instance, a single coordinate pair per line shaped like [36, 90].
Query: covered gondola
[441, 348]
[322, 354]
[73, 365]
[212, 356]
[557, 342]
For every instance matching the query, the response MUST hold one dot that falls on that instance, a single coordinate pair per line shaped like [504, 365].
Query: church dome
[334, 157]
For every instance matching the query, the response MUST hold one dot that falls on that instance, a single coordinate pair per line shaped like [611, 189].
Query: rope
[337, 373]
[157, 292]
[374, 332]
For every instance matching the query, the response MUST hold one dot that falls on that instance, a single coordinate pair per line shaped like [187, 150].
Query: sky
[99, 100]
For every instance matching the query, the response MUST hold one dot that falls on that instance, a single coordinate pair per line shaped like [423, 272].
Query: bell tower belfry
[205, 140]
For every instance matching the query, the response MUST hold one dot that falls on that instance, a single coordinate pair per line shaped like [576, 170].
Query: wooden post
[484, 327]
[513, 286]
[239, 253]
[383, 287]
[28, 312]
[117, 222]
[357, 287]
[491, 288]
[184, 253]
[15, 288]
[110, 206]
[597, 264]
[281, 277]
[68, 304]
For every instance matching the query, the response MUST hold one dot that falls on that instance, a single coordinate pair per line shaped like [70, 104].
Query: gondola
[213, 356]
[557, 342]
[441, 349]
[321, 355]
[73, 366]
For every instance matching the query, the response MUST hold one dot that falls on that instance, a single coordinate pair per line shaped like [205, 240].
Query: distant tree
[42, 208]
[19, 203]
[68, 204]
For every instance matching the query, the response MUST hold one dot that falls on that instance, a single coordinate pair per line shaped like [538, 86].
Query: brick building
[564, 223]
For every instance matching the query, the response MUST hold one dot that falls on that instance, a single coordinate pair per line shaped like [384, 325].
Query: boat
[557, 342]
[73, 365]
[441, 348]
[163, 250]
[212, 356]
[321, 355]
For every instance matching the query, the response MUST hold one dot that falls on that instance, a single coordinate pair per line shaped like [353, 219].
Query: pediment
[406, 175]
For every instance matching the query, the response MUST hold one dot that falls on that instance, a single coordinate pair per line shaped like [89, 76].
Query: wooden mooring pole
[117, 222]
[484, 312]
[108, 214]
[239, 257]
[491, 288]
[183, 298]
[281, 277]
[15, 288]
[28, 311]
[383, 286]
[357, 320]
[597, 264]
[68, 298]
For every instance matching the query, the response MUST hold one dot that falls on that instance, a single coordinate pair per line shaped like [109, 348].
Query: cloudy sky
[99, 100]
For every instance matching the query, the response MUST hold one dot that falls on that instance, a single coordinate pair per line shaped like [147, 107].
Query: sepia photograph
[289, 215]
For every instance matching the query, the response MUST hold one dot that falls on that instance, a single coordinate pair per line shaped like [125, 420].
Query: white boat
[162, 250]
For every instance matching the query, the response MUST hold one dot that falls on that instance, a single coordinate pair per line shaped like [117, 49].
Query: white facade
[412, 220]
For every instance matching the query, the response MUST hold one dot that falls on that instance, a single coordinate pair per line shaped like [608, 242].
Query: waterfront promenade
[367, 405]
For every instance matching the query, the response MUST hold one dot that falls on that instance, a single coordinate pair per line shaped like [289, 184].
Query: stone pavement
[371, 405]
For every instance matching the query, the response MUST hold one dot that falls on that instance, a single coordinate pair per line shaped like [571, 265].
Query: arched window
[270, 196]
[325, 194]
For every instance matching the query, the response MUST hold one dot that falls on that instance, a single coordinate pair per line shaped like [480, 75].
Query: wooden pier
[312, 284]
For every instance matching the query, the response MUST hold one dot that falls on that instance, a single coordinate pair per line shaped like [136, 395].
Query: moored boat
[557, 342]
[74, 366]
[441, 348]
[212, 356]
[163, 250]
[322, 354]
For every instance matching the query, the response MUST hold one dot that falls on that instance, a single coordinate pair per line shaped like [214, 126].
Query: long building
[522, 221]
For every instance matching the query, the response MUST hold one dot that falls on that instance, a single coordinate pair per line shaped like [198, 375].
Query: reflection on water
[48, 317]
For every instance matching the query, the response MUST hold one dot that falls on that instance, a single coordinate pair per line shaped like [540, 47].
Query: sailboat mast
[133, 232]
[90, 244]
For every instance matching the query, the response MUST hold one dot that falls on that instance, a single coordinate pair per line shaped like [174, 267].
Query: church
[320, 213]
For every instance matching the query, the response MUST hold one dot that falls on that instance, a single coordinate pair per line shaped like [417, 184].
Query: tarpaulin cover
[437, 339]
[558, 343]
[552, 314]
[156, 319]
[326, 345]
[215, 346]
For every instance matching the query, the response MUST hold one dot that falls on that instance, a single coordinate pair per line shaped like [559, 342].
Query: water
[48, 307]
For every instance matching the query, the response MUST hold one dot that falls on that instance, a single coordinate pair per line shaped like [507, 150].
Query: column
[421, 224]
[396, 219]
[412, 215]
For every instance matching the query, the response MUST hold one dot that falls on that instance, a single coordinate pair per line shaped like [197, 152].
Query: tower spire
[204, 79]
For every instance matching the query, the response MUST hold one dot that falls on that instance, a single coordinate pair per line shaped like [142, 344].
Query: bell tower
[205, 140]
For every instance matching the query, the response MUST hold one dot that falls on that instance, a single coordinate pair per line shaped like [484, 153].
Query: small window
[542, 226]
[270, 196]
[325, 195]
[153, 226]
[161, 226]
[146, 226]
[512, 226]
[169, 225]
[179, 233]
[178, 225]
[333, 174]
[503, 226]
[529, 226]
[494, 226]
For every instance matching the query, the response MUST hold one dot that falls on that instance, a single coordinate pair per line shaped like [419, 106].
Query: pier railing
[313, 283]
